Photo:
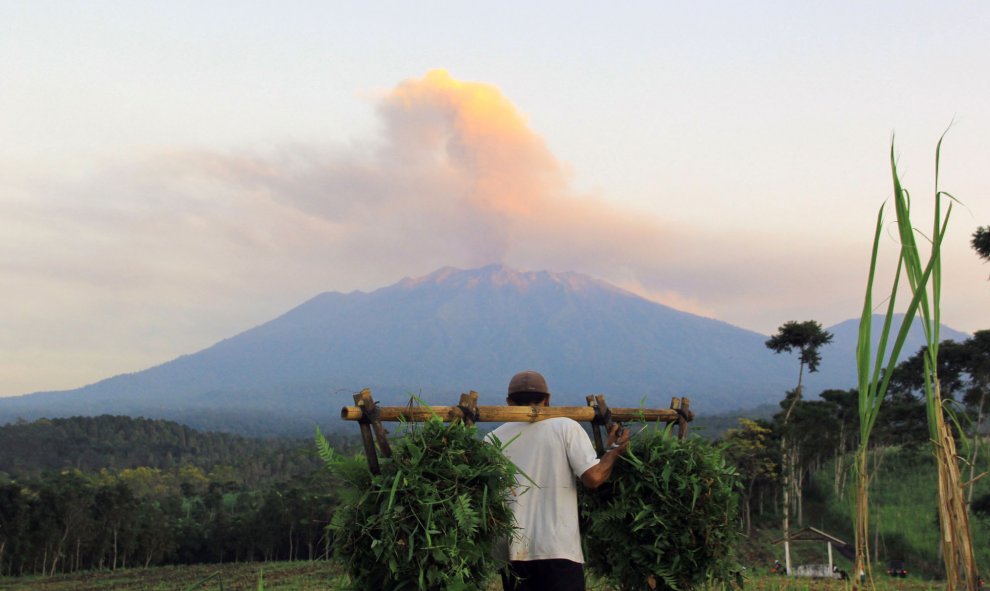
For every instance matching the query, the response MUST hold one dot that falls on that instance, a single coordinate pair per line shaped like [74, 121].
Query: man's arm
[598, 474]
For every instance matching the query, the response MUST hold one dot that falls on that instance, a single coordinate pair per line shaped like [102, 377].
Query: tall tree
[14, 523]
[977, 396]
[806, 338]
[844, 409]
[748, 447]
[981, 242]
[964, 373]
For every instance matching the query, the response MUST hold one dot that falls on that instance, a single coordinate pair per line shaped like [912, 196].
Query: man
[545, 553]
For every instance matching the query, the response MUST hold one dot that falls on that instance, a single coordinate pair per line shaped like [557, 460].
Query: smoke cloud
[459, 178]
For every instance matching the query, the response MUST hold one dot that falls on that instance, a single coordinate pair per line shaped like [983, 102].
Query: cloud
[455, 174]
[457, 177]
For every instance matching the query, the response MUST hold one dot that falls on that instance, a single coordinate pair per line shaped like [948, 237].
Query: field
[779, 583]
[324, 576]
[298, 576]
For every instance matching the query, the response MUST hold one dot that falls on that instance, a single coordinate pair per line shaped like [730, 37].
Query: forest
[111, 492]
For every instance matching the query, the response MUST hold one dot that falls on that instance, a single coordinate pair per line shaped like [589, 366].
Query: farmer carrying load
[545, 552]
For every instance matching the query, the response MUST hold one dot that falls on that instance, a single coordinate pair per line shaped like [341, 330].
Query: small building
[810, 534]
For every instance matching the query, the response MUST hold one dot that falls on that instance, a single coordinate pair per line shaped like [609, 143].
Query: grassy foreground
[325, 576]
[301, 576]
[779, 583]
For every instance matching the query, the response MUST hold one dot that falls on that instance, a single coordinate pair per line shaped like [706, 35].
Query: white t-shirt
[553, 453]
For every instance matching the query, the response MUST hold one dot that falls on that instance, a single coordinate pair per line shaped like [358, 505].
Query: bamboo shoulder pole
[517, 414]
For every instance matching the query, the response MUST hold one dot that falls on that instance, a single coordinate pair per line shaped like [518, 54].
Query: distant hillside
[714, 426]
[91, 444]
[447, 333]
[838, 367]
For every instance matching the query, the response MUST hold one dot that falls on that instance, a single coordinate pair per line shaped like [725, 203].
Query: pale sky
[173, 173]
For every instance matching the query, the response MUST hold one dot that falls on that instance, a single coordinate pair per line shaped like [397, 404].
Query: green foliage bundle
[431, 518]
[669, 511]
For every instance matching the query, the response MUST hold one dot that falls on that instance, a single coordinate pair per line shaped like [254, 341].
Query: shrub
[667, 516]
[431, 518]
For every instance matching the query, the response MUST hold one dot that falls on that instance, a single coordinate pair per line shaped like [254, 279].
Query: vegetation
[322, 576]
[269, 502]
[274, 576]
[806, 338]
[749, 449]
[664, 516]
[903, 508]
[874, 370]
[956, 541]
[433, 516]
[981, 242]
[826, 428]
[117, 443]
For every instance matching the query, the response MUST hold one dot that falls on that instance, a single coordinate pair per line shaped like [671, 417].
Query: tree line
[115, 492]
[119, 442]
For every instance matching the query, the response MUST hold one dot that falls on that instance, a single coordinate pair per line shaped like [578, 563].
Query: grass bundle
[666, 519]
[431, 518]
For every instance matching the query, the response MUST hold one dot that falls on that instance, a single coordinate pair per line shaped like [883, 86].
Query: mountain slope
[446, 333]
[838, 367]
[440, 335]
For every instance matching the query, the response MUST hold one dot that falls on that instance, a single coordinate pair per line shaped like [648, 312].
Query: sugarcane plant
[874, 376]
[956, 539]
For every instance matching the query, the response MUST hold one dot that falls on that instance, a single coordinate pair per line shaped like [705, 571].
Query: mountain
[443, 334]
[838, 367]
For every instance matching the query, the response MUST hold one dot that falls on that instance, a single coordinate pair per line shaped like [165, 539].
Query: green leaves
[806, 337]
[925, 282]
[432, 517]
[923, 277]
[326, 452]
[668, 511]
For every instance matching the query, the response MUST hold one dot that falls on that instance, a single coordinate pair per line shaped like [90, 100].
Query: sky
[174, 173]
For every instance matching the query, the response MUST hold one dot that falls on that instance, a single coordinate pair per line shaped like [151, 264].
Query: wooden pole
[468, 406]
[369, 448]
[517, 414]
[683, 408]
[599, 442]
[369, 421]
[369, 412]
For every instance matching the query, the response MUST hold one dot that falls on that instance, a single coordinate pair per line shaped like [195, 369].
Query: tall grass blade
[874, 377]
[957, 550]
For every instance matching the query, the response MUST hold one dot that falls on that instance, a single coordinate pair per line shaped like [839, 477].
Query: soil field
[301, 576]
[325, 576]
[781, 583]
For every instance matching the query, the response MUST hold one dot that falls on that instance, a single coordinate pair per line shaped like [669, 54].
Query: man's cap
[528, 381]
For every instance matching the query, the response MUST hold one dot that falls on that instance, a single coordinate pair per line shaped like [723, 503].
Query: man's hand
[618, 437]
[618, 441]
